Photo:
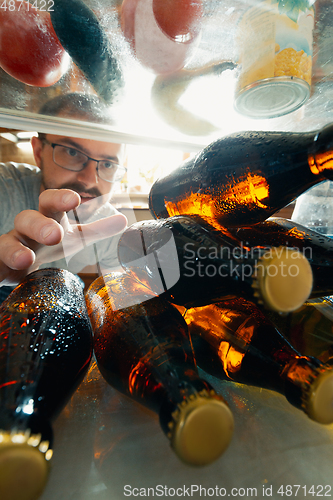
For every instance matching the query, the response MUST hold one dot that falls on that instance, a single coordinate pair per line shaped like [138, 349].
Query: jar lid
[272, 97]
[24, 465]
[202, 428]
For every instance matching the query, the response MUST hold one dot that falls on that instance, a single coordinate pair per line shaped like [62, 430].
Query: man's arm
[40, 232]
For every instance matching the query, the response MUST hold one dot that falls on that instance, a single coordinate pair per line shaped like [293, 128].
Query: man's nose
[89, 175]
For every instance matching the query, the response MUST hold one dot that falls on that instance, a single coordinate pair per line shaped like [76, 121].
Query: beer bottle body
[191, 265]
[244, 178]
[310, 328]
[45, 350]
[316, 247]
[252, 351]
[143, 351]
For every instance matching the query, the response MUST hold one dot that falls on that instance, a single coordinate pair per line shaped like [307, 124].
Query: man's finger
[14, 254]
[102, 229]
[32, 227]
[54, 203]
[83, 235]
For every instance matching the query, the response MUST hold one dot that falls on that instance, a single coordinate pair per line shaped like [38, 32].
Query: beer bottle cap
[202, 429]
[319, 396]
[284, 279]
[23, 465]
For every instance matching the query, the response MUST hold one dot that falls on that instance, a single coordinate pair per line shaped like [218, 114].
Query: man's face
[86, 182]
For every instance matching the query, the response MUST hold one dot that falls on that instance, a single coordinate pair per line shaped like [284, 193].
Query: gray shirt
[19, 190]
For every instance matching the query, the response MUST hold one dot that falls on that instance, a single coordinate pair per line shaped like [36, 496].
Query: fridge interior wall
[103, 441]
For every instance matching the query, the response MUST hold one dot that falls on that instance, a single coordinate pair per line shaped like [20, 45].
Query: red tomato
[29, 48]
[163, 34]
[179, 19]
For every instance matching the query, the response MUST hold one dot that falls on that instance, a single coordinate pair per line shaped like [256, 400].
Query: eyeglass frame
[54, 144]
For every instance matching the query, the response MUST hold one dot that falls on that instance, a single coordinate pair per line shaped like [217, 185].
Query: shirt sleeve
[19, 190]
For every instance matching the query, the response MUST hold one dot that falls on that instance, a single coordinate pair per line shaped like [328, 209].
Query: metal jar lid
[272, 97]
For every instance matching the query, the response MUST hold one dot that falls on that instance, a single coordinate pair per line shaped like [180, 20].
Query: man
[42, 207]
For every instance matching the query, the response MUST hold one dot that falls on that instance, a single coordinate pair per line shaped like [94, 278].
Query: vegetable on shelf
[84, 38]
[178, 20]
[30, 51]
[162, 33]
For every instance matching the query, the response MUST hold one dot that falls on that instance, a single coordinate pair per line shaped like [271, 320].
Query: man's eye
[109, 164]
[71, 152]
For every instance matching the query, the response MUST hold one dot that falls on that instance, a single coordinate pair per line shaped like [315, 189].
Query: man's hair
[76, 105]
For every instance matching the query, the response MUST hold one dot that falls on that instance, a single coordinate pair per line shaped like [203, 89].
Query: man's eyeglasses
[74, 160]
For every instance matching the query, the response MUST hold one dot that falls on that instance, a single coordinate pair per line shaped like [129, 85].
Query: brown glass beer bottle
[316, 247]
[191, 265]
[248, 349]
[142, 349]
[309, 329]
[45, 350]
[245, 178]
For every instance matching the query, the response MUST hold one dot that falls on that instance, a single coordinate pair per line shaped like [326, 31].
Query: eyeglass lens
[72, 159]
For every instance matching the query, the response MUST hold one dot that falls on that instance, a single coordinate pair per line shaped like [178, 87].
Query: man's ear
[37, 147]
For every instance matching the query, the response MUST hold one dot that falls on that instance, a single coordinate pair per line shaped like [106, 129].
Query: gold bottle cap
[202, 429]
[319, 397]
[23, 465]
[284, 279]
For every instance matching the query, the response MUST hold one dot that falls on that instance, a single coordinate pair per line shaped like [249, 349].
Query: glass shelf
[192, 105]
[107, 445]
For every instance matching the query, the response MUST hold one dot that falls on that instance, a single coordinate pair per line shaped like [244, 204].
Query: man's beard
[80, 188]
[89, 207]
[75, 186]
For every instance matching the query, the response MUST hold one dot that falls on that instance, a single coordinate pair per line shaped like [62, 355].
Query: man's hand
[36, 236]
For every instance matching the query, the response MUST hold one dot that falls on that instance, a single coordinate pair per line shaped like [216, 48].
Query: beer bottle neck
[321, 154]
[309, 386]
